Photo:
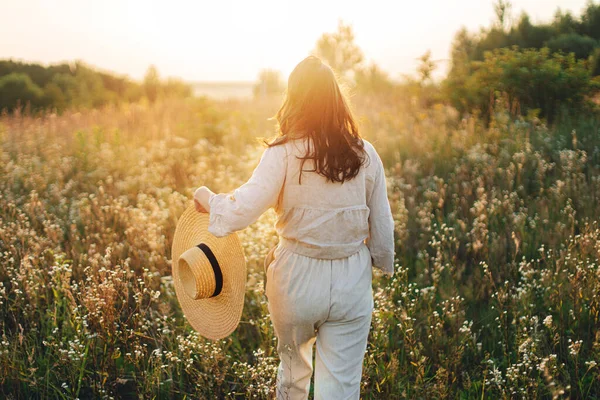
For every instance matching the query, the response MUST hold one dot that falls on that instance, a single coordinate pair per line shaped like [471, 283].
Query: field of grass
[496, 292]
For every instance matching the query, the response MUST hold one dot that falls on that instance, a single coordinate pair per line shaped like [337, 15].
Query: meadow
[497, 285]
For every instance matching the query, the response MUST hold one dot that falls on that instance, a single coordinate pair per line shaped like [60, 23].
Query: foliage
[495, 293]
[77, 85]
[270, 83]
[175, 87]
[497, 285]
[531, 68]
[152, 84]
[339, 50]
[564, 33]
[18, 88]
[426, 67]
[524, 81]
[581, 46]
[373, 81]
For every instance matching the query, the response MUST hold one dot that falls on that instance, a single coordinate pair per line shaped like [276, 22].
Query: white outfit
[319, 284]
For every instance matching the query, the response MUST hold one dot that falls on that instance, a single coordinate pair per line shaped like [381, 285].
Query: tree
[528, 35]
[18, 88]
[565, 33]
[590, 21]
[151, 84]
[175, 87]
[77, 85]
[565, 23]
[581, 46]
[426, 67]
[455, 84]
[372, 80]
[502, 9]
[54, 96]
[339, 50]
[90, 91]
[68, 87]
[269, 83]
[526, 80]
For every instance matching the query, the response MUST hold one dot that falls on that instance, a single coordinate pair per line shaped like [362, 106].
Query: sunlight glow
[233, 40]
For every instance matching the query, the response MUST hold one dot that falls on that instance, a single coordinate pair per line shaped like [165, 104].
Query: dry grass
[497, 291]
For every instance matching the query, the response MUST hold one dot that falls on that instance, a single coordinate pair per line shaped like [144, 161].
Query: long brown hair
[315, 107]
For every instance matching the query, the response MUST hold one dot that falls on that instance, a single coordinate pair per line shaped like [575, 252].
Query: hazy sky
[233, 40]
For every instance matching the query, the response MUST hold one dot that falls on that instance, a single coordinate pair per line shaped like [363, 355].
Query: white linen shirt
[316, 218]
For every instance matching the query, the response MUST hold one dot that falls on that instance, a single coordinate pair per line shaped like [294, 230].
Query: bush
[269, 83]
[581, 46]
[523, 81]
[18, 88]
[78, 85]
[373, 81]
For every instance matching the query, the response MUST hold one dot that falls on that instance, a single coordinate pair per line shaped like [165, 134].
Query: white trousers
[329, 302]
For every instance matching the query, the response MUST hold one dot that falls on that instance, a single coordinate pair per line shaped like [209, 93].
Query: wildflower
[574, 347]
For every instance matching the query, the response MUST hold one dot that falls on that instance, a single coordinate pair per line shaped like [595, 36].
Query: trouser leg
[298, 293]
[342, 338]
[341, 347]
[295, 349]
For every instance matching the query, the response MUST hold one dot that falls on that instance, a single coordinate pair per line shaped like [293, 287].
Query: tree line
[61, 86]
[527, 68]
[540, 69]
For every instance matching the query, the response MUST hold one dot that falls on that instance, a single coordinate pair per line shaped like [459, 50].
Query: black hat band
[215, 266]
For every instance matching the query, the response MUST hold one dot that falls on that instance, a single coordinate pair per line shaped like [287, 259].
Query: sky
[227, 40]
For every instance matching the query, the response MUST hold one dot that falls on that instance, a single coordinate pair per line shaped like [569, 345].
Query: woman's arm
[381, 223]
[201, 198]
[231, 212]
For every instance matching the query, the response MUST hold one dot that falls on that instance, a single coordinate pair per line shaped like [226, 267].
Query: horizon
[110, 42]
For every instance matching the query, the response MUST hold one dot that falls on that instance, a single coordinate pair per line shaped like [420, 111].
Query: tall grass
[496, 295]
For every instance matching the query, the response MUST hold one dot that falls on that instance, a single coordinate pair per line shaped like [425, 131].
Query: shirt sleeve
[231, 212]
[381, 223]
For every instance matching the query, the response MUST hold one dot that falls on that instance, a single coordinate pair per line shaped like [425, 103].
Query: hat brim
[215, 317]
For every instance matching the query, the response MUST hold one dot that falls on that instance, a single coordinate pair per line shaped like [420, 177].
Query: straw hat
[209, 275]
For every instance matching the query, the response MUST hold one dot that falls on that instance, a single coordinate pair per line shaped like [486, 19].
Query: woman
[328, 188]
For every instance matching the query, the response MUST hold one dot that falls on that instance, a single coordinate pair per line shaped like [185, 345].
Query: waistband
[327, 252]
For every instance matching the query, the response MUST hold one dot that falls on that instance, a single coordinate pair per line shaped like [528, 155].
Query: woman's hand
[199, 207]
[201, 197]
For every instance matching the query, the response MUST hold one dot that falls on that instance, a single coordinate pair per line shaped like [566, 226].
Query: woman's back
[316, 218]
[323, 219]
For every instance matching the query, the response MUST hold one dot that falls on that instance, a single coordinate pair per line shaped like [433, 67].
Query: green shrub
[581, 46]
[18, 89]
[523, 81]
